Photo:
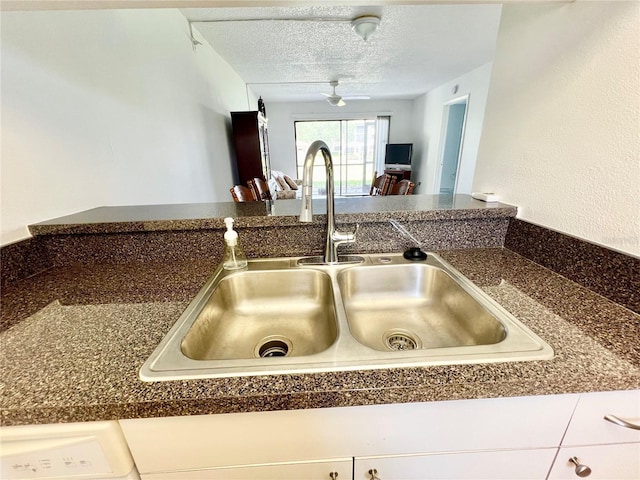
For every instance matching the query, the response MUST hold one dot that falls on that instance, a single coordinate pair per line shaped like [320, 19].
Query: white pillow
[291, 182]
[283, 184]
[273, 187]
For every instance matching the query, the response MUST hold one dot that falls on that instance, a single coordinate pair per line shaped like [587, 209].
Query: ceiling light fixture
[365, 26]
[334, 99]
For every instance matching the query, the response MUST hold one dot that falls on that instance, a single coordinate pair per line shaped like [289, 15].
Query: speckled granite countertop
[76, 336]
[196, 216]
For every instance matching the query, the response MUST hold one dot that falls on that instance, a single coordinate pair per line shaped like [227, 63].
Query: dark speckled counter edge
[129, 219]
[194, 231]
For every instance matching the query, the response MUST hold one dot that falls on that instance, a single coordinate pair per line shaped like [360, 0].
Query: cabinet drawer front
[496, 465]
[588, 426]
[214, 441]
[612, 462]
[342, 470]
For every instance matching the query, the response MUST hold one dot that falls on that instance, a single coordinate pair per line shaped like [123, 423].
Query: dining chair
[381, 184]
[403, 187]
[242, 194]
[260, 189]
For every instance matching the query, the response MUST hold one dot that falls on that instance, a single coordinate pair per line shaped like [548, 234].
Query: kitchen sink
[281, 316]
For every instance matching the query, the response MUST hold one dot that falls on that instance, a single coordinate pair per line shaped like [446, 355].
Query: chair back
[260, 189]
[403, 187]
[381, 184]
[241, 194]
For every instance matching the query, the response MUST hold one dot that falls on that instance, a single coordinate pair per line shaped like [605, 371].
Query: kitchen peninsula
[112, 282]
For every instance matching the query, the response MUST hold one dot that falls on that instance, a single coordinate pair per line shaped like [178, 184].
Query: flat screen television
[398, 156]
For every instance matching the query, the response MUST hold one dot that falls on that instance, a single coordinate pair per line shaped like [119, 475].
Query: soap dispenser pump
[234, 258]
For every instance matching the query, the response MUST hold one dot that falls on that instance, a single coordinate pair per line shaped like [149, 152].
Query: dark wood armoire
[251, 143]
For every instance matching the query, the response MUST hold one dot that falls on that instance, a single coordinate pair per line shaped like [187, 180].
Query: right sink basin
[413, 307]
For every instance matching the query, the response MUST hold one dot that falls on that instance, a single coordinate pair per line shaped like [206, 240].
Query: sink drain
[273, 347]
[401, 341]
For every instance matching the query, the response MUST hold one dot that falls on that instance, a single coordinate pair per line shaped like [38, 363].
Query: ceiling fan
[334, 99]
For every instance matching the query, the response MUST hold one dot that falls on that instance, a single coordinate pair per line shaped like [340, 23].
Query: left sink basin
[268, 318]
[244, 317]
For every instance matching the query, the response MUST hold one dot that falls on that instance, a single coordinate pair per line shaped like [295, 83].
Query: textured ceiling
[293, 52]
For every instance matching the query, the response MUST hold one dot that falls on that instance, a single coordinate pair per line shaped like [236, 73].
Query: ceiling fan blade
[340, 103]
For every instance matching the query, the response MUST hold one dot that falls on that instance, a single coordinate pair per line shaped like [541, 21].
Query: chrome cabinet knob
[333, 475]
[373, 474]
[581, 470]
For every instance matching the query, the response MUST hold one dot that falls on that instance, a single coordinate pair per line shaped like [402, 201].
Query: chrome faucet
[334, 238]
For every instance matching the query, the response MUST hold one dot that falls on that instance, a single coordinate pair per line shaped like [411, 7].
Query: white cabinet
[611, 462]
[610, 451]
[324, 470]
[498, 433]
[493, 465]
[588, 426]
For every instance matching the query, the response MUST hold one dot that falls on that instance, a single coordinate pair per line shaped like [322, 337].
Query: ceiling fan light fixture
[365, 26]
[334, 99]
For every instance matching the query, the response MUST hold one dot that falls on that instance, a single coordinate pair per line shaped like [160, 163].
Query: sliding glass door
[353, 145]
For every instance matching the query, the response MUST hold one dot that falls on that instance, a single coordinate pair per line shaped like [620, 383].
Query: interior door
[454, 121]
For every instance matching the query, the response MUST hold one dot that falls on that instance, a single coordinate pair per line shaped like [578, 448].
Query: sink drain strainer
[401, 341]
[273, 347]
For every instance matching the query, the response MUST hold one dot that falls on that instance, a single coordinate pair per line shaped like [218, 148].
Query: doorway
[454, 120]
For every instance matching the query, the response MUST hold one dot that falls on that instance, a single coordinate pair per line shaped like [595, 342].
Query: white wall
[283, 115]
[428, 123]
[561, 135]
[110, 107]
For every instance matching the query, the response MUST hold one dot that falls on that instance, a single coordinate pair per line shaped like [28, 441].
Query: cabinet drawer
[322, 470]
[258, 438]
[612, 462]
[496, 465]
[588, 426]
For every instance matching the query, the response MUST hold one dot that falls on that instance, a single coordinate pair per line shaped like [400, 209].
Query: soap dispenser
[234, 258]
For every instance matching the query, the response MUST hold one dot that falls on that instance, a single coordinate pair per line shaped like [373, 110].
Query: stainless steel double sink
[277, 317]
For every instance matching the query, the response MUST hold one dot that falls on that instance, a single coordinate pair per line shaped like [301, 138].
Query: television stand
[398, 174]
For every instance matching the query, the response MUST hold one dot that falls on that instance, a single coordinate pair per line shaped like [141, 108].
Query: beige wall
[561, 135]
[110, 108]
[428, 128]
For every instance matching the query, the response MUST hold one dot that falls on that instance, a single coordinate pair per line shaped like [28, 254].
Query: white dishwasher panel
[92, 450]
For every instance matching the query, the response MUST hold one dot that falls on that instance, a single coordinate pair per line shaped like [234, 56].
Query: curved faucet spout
[334, 238]
[306, 214]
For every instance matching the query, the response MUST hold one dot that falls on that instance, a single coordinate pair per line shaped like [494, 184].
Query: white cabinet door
[588, 426]
[609, 450]
[324, 470]
[612, 462]
[495, 465]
